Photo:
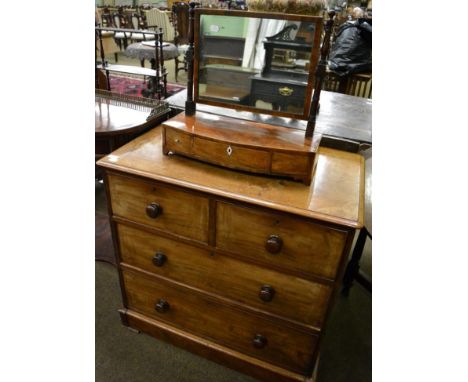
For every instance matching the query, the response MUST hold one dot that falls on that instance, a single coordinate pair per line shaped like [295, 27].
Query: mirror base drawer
[242, 145]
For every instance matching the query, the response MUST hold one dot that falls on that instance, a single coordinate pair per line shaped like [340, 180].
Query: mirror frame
[314, 58]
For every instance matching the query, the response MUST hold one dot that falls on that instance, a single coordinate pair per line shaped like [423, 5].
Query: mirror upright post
[190, 106]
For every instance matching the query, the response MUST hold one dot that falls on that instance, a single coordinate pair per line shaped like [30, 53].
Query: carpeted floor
[134, 86]
[125, 356]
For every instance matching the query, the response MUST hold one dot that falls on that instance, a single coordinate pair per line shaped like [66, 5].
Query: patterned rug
[134, 86]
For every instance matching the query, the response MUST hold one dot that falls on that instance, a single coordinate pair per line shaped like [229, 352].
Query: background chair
[358, 84]
[156, 19]
[121, 21]
[180, 20]
[138, 22]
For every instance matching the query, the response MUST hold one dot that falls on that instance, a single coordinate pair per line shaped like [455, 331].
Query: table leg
[352, 269]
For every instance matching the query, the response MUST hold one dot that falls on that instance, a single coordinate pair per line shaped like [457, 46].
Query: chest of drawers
[238, 268]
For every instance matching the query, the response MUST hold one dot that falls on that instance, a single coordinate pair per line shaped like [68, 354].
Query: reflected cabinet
[256, 61]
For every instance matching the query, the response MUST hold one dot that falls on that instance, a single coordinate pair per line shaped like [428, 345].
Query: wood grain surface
[226, 356]
[243, 133]
[336, 194]
[182, 213]
[226, 276]
[307, 246]
[341, 115]
[206, 317]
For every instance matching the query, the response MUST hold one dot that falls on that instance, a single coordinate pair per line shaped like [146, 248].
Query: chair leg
[116, 56]
[352, 269]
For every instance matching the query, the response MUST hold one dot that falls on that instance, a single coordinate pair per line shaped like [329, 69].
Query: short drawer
[206, 317]
[177, 141]
[291, 297]
[278, 91]
[279, 240]
[159, 206]
[230, 155]
[214, 151]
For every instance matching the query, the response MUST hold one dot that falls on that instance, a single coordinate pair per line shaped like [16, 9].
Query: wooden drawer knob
[162, 306]
[259, 341]
[159, 259]
[266, 293]
[153, 210]
[274, 244]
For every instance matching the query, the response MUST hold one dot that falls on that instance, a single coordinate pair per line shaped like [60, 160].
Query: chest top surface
[336, 194]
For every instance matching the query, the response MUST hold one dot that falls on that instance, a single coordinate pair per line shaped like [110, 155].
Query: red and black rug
[134, 86]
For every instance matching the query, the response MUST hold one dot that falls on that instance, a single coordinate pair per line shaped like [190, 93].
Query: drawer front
[291, 164]
[271, 291]
[223, 324]
[177, 141]
[161, 207]
[230, 155]
[279, 91]
[278, 240]
[230, 78]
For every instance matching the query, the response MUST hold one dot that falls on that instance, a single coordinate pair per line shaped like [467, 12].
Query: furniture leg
[108, 80]
[352, 269]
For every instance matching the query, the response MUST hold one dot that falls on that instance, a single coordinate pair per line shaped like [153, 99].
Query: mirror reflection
[255, 62]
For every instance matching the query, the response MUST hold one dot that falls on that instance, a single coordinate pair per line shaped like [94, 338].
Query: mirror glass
[258, 62]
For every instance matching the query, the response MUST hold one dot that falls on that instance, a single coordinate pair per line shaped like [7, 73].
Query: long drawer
[291, 297]
[224, 324]
[279, 240]
[220, 152]
[159, 206]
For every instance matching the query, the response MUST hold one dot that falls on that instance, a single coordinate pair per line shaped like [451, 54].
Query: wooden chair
[106, 18]
[121, 21]
[138, 22]
[180, 20]
[159, 19]
[156, 19]
[358, 84]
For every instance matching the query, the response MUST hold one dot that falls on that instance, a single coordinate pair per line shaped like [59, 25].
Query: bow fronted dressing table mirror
[234, 246]
[258, 62]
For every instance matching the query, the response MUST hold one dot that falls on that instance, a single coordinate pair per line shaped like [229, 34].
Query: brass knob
[274, 244]
[159, 259]
[285, 91]
[259, 341]
[266, 293]
[162, 306]
[153, 210]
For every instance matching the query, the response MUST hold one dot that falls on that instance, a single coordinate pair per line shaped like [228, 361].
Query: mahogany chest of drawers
[238, 268]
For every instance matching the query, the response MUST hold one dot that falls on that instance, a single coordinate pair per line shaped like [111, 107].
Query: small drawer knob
[266, 293]
[274, 244]
[162, 306]
[285, 91]
[259, 341]
[159, 259]
[153, 210]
